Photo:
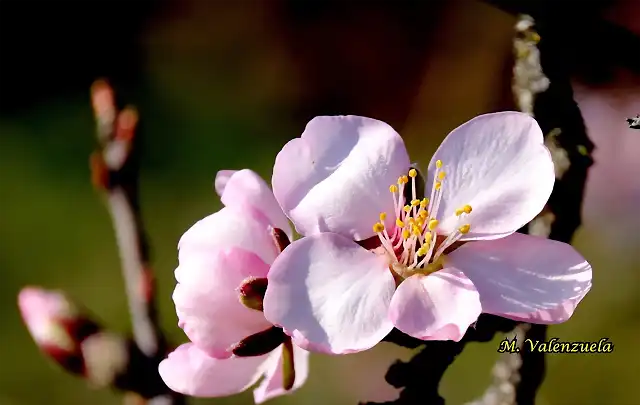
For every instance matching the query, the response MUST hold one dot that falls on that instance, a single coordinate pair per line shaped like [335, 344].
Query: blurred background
[223, 84]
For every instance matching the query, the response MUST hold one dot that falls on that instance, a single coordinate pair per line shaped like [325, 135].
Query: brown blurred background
[223, 84]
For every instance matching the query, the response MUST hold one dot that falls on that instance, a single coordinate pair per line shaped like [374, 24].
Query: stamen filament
[412, 247]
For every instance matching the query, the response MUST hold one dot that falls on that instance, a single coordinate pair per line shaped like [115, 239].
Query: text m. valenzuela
[555, 346]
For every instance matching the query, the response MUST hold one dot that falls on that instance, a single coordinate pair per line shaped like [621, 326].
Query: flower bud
[56, 325]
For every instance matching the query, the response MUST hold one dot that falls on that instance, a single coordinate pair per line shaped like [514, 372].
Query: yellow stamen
[467, 208]
[403, 180]
[535, 37]
[413, 173]
[433, 224]
[383, 216]
[423, 214]
[405, 234]
[393, 188]
[415, 203]
[427, 239]
[378, 227]
[422, 251]
[438, 163]
[441, 175]
[416, 231]
[424, 203]
[459, 212]
[399, 223]
[438, 185]
[464, 229]
[406, 208]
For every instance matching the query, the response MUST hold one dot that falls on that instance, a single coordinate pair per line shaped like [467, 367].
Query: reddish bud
[126, 124]
[104, 108]
[147, 284]
[99, 171]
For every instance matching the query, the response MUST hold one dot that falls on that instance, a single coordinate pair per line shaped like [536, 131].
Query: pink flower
[413, 268]
[221, 252]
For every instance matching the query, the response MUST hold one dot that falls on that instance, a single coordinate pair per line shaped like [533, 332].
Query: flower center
[413, 245]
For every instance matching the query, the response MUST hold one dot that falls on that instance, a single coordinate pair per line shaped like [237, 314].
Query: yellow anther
[399, 223]
[406, 208]
[405, 234]
[403, 180]
[413, 173]
[420, 223]
[464, 229]
[433, 224]
[465, 209]
[393, 188]
[412, 221]
[414, 203]
[427, 239]
[438, 185]
[378, 227]
[423, 214]
[438, 163]
[424, 203]
[422, 251]
[416, 231]
[441, 175]
[383, 216]
[535, 37]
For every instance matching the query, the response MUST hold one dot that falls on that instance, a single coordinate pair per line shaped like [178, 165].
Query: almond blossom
[378, 254]
[222, 259]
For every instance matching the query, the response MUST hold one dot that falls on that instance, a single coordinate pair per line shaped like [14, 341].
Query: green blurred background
[223, 85]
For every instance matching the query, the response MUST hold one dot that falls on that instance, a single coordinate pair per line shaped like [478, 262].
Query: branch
[542, 88]
[115, 171]
[61, 328]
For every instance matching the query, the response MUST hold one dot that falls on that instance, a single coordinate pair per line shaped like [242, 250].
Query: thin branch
[115, 172]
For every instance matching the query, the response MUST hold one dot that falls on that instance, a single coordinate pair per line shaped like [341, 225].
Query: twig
[541, 87]
[115, 171]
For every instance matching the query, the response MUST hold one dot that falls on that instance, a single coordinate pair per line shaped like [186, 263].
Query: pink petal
[246, 190]
[207, 302]
[440, 306]
[272, 385]
[330, 294]
[227, 228]
[42, 310]
[190, 371]
[498, 164]
[525, 277]
[336, 176]
[222, 178]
